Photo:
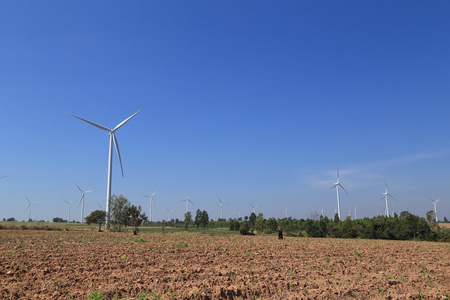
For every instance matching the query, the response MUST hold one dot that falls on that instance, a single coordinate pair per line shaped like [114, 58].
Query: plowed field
[73, 265]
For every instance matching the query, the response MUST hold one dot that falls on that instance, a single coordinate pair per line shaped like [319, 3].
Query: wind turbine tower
[338, 185]
[435, 210]
[29, 207]
[82, 201]
[254, 208]
[168, 214]
[112, 140]
[385, 196]
[68, 212]
[221, 207]
[187, 201]
[151, 203]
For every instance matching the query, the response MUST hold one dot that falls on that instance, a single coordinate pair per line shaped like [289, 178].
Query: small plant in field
[357, 253]
[123, 257]
[381, 292]
[196, 293]
[155, 296]
[96, 295]
[326, 259]
[139, 240]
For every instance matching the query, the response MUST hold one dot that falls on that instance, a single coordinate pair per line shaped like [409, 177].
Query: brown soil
[72, 265]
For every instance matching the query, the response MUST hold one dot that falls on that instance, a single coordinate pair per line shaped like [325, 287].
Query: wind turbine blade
[4, 176]
[338, 174]
[146, 196]
[192, 203]
[90, 191]
[219, 199]
[79, 188]
[154, 193]
[92, 123]
[392, 196]
[343, 189]
[28, 199]
[127, 119]
[117, 150]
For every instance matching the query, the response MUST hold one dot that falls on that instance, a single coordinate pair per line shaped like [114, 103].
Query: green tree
[272, 224]
[252, 220]
[136, 217]
[119, 210]
[445, 220]
[198, 217]
[259, 223]
[204, 219]
[187, 220]
[96, 217]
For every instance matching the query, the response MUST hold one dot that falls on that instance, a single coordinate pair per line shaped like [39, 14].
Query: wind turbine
[336, 185]
[286, 213]
[187, 201]
[68, 214]
[385, 196]
[29, 207]
[435, 210]
[221, 207]
[168, 214]
[355, 212]
[112, 139]
[82, 200]
[254, 208]
[151, 202]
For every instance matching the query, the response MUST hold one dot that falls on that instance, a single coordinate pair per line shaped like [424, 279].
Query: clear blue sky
[256, 102]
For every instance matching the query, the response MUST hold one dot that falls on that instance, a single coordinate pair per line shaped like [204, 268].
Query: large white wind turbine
[221, 207]
[254, 208]
[338, 185]
[29, 207]
[385, 196]
[187, 201]
[151, 203]
[68, 213]
[435, 210]
[112, 139]
[82, 201]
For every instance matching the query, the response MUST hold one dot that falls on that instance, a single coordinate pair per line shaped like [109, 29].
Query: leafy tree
[187, 220]
[58, 220]
[252, 220]
[119, 210]
[96, 217]
[245, 228]
[204, 219]
[431, 217]
[336, 218]
[14, 220]
[198, 217]
[272, 224]
[259, 223]
[445, 220]
[136, 217]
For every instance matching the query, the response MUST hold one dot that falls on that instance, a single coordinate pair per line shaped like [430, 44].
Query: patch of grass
[95, 295]
[326, 259]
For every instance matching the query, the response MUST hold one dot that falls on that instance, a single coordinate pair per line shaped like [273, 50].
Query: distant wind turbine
[385, 196]
[435, 210]
[29, 207]
[355, 212]
[168, 214]
[254, 208]
[68, 213]
[286, 213]
[82, 201]
[112, 139]
[338, 185]
[221, 207]
[151, 202]
[187, 201]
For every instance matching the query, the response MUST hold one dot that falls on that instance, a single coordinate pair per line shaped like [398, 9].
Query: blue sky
[256, 102]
